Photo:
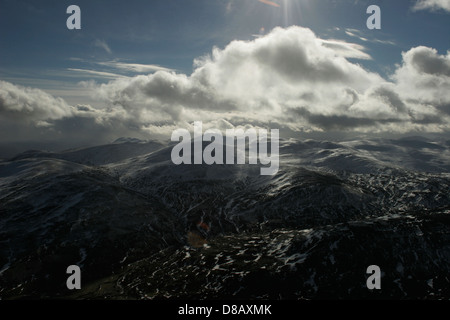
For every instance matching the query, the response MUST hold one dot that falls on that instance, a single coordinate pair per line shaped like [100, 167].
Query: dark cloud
[427, 60]
[392, 98]
[340, 122]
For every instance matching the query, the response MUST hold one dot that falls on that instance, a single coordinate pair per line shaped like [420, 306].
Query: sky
[144, 68]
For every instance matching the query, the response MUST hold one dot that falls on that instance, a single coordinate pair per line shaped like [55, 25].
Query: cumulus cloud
[30, 104]
[432, 5]
[424, 78]
[32, 115]
[286, 57]
[288, 79]
[249, 81]
[426, 61]
[291, 78]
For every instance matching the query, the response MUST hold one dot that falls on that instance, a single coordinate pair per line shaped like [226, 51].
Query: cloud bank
[288, 79]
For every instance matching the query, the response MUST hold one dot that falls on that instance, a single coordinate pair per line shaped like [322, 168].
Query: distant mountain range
[141, 227]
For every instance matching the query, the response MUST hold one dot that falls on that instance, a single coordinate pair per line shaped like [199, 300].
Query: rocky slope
[140, 227]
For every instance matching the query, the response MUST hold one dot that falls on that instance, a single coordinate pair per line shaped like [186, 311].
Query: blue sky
[36, 45]
[124, 39]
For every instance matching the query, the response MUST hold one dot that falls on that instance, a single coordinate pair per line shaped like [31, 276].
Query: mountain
[141, 227]
[120, 149]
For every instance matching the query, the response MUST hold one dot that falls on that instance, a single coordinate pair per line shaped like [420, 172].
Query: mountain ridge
[116, 219]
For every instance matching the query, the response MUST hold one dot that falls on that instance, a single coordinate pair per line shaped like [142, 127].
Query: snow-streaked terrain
[140, 227]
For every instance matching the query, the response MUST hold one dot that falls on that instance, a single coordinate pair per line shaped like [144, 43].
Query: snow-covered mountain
[141, 227]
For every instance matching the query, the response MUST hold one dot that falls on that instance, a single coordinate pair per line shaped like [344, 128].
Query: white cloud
[288, 77]
[432, 5]
[262, 80]
[28, 104]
